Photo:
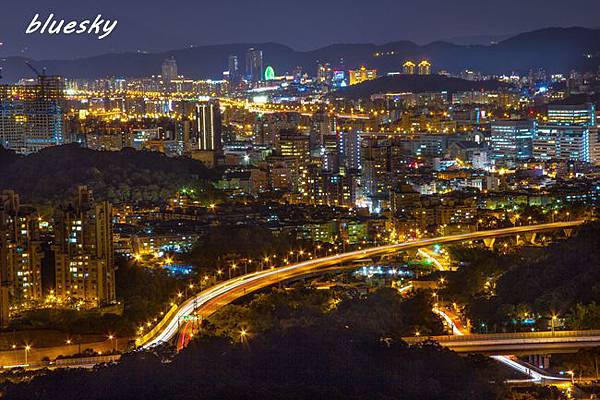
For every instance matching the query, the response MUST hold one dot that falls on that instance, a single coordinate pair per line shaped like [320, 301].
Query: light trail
[507, 360]
[210, 300]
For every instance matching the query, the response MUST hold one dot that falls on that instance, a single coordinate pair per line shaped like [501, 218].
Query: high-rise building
[375, 170]
[295, 150]
[511, 141]
[31, 115]
[25, 254]
[424, 68]
[83, 250]
[570, 133]
[324, 73]
[408, 68]
[362, 75]
[254, 65]
[208, 126]
[169, 69]
[235, 73]
[349, 150]
[566, 115]
[20, 255]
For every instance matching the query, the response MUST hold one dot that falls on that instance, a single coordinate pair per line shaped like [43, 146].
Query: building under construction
[31, 114]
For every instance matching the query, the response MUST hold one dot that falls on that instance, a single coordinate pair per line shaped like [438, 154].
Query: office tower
[424, 68]
[31, 115]
[570, 133]
[362, 75]
[235, 74]
[254, 65]
[408, 68]
[83, 251]
[511, 141]
[208, 126]
[568, 115]
[169, 70]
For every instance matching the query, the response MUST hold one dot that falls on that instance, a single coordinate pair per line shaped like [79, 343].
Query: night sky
[301, 24]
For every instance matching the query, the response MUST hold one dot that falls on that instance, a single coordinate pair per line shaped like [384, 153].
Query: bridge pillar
[530, 237]
[518, 239]
[568, 232]
[539, 360]
[489, 243]
[546, 361]
[412, 253]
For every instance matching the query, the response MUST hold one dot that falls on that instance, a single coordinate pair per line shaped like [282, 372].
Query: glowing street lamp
[27, 349]
[112, 338]
[553, 322]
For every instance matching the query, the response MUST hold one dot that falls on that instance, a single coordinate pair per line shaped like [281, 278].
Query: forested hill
[129, 175]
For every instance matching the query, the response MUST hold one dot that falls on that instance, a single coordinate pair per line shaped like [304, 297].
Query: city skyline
[259, 221]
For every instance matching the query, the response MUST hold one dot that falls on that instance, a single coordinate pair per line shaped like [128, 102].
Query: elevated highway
[516, 343]
[209, 301]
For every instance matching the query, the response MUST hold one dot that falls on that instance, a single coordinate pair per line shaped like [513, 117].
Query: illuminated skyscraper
[362, 75]
[208, 126]
[511, 141]
[349, 150]
[570, 133]
[409, 68]
[169, 69]
[235, 74]
[424, 68]
[20, 254]
[254, 65]
[295, 149]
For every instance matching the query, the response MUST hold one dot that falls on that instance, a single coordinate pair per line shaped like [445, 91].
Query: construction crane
[42, 82]
[35, 70]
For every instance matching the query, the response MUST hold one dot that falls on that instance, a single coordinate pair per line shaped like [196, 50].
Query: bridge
[211, 300]
[516, 343]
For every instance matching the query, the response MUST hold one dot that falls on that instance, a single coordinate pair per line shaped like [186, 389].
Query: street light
[27, 348]
[572, 373]
[114, 341]
[553, 319]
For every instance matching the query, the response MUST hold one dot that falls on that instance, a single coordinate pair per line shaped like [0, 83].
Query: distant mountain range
[553, 49]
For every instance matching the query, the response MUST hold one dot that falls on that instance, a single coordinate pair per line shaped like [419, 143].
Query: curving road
[535, 374]
[210, 300]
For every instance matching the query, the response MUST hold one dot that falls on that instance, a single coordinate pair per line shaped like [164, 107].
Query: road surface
[212, 299]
